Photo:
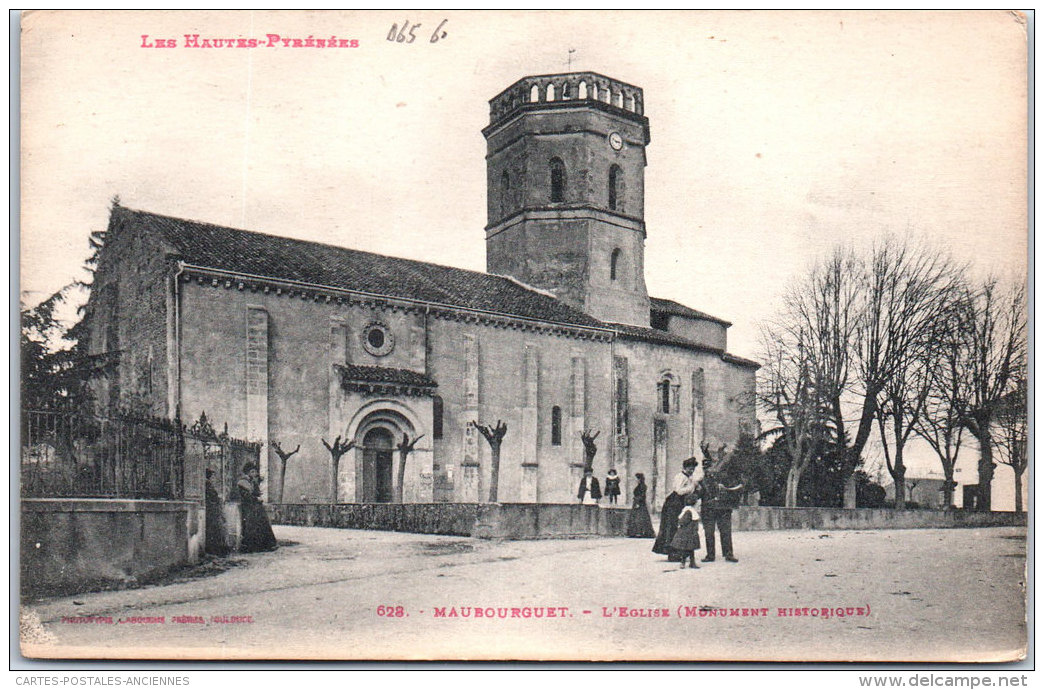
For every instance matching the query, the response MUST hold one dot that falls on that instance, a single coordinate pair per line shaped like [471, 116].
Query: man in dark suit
[720, 493]
[589, 488]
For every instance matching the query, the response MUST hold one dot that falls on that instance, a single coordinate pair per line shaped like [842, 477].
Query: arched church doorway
[377, 484]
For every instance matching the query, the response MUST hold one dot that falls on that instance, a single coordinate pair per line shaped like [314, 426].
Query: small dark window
[614, 262]
[663, 394]
[505, 191]
[376, 338]
[558, 180]
[556, 426]
[659, 320]
[436, 417]
[614, 183]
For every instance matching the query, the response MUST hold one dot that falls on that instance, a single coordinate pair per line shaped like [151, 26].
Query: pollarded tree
[284, 457]
[405, 447]
[587, 437]
[494, 435]
[338, 449]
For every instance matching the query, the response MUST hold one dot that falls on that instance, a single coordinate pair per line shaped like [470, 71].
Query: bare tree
[826, 310]
[283, 458]
[788, 391]
[907, 291]
[1012, 422]
[901, 406]
[338, 449]
[495, 436]
[846, 352]
[405, 447]
[941, 423]
[590, 449]
[996, 324]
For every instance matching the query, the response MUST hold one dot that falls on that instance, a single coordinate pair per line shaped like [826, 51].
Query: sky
[775, 135]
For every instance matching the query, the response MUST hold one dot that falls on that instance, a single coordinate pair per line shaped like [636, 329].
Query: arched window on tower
[614, 186]
[558, 179]
[614, 264]
[550, 92]
[534, 94]
[582, 94]
[556, 426]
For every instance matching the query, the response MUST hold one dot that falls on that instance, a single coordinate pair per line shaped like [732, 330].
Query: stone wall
[751, 518]
[128, 312]
[74, 545]
[421, 518]
[549, 521]
[543, 521]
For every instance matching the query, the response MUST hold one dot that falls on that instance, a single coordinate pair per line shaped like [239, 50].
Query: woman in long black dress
[217, 539]
[639, 524]
[256, 532]
[683, 485]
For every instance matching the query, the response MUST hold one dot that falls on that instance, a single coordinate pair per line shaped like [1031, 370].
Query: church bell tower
[566, 191]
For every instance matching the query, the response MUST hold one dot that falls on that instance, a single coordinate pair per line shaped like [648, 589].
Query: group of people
[710, 501]
[255, 532]
[590, 491]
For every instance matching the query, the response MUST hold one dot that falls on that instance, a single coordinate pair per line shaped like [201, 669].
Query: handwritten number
[439, 33]
[407, 32]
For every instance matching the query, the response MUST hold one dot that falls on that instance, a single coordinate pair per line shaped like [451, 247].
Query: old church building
[291, 343]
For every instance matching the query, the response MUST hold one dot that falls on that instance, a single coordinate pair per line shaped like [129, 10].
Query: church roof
[654, 335]
[283, 258]
[676, 309]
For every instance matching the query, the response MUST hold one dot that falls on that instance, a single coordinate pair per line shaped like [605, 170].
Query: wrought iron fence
[67, 454]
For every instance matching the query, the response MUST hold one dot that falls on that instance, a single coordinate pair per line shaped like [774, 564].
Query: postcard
[529, 335]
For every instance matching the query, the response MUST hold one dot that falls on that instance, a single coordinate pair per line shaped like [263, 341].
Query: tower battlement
[546, 89]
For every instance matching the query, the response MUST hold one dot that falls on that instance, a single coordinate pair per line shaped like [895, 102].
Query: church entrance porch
[378, 428]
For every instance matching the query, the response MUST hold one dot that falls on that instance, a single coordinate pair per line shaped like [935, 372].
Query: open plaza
[881, 595]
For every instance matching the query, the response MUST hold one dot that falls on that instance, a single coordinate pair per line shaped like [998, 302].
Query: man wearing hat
[718, 501]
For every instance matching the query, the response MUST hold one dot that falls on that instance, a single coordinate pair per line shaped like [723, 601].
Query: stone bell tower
[566, 191]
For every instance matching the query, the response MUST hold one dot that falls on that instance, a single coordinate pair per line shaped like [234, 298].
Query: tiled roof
[367, 374]
[282, 258]
[671, 307]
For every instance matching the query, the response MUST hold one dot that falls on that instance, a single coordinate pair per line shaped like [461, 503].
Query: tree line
[893, 343]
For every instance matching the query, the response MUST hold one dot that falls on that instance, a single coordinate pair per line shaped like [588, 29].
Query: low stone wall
[750, 518]
[422, 518]
[560, 520]
[73, 545]
[548, 520]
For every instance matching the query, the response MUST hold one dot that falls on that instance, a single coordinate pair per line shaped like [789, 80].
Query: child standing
[687, 539]
[612, 487]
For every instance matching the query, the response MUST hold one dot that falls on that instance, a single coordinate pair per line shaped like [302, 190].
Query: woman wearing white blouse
[683, 485]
